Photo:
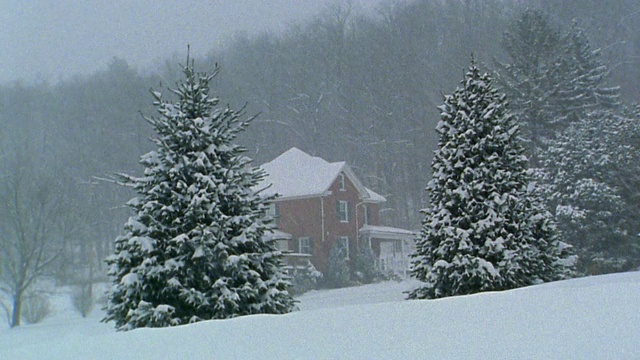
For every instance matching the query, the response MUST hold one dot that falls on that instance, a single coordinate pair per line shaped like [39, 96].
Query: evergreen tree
[365, 265]
[584, 79]
[194, 250]
[553, 80]
[531, 79]
[577, 140]
[581, 173]
[485, 229]
[628, 179]
[338, 274]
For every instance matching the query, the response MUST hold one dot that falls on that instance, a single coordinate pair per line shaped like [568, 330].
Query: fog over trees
[344, 87]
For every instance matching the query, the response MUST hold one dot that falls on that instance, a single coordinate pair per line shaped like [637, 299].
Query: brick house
[320, 204]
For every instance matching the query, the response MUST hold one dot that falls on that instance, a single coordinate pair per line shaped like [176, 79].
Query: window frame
[341, 211]
[308, 246]
[282, 245]
[343, 184]
[273, 211]
[397, 248]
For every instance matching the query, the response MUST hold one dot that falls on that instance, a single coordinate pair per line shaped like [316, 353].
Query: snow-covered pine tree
[583, 173]
[559, 90]
[484, 229]
[584, 77]
[194, 250]
[530, 78]
[629, 178]
[552, 80]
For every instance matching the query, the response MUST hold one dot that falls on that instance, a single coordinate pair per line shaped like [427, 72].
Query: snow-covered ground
[589, 318]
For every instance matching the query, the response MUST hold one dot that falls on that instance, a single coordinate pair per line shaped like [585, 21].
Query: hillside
[589, 318]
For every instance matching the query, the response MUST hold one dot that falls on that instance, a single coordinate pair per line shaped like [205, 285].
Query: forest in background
[345, 88]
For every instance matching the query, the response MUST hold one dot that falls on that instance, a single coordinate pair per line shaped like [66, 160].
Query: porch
[392, 247]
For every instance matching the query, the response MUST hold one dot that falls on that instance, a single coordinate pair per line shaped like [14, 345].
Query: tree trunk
[16, 310]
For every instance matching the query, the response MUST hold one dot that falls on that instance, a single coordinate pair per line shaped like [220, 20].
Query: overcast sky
[52, 40]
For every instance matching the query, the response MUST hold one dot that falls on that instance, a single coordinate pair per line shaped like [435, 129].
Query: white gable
[296, 174]
[375, 197]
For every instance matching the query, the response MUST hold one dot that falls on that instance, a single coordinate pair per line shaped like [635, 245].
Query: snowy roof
[387, 232]
[374, 196]
[296, 174]
[276, 234]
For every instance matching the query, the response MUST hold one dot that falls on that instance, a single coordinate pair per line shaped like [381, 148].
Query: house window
[343, 211]
[397, 248]
[343, 187]
[305, 245]
[273, 211]
[343, 245]
[283, 245]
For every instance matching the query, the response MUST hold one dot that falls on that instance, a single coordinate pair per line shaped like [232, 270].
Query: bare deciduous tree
[30, 234]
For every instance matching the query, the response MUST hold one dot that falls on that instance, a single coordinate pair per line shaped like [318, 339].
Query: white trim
[374, 197]
[275, 234]
[309, 246]
[362, 191]
[301, 197]
[273, 211]
[346, 211]
[385, 232]
[365, 215]
[322, 217]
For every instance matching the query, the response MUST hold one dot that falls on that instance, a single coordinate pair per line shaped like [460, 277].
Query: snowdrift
[589, 318]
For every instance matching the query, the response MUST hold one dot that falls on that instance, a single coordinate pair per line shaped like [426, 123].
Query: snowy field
[589, 318]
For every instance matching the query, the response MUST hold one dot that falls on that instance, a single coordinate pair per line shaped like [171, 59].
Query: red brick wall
[303, 218]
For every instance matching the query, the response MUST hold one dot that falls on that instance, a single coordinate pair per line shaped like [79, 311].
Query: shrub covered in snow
[365, 267]
[305, 279]
[35, 307]
[194, 249]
